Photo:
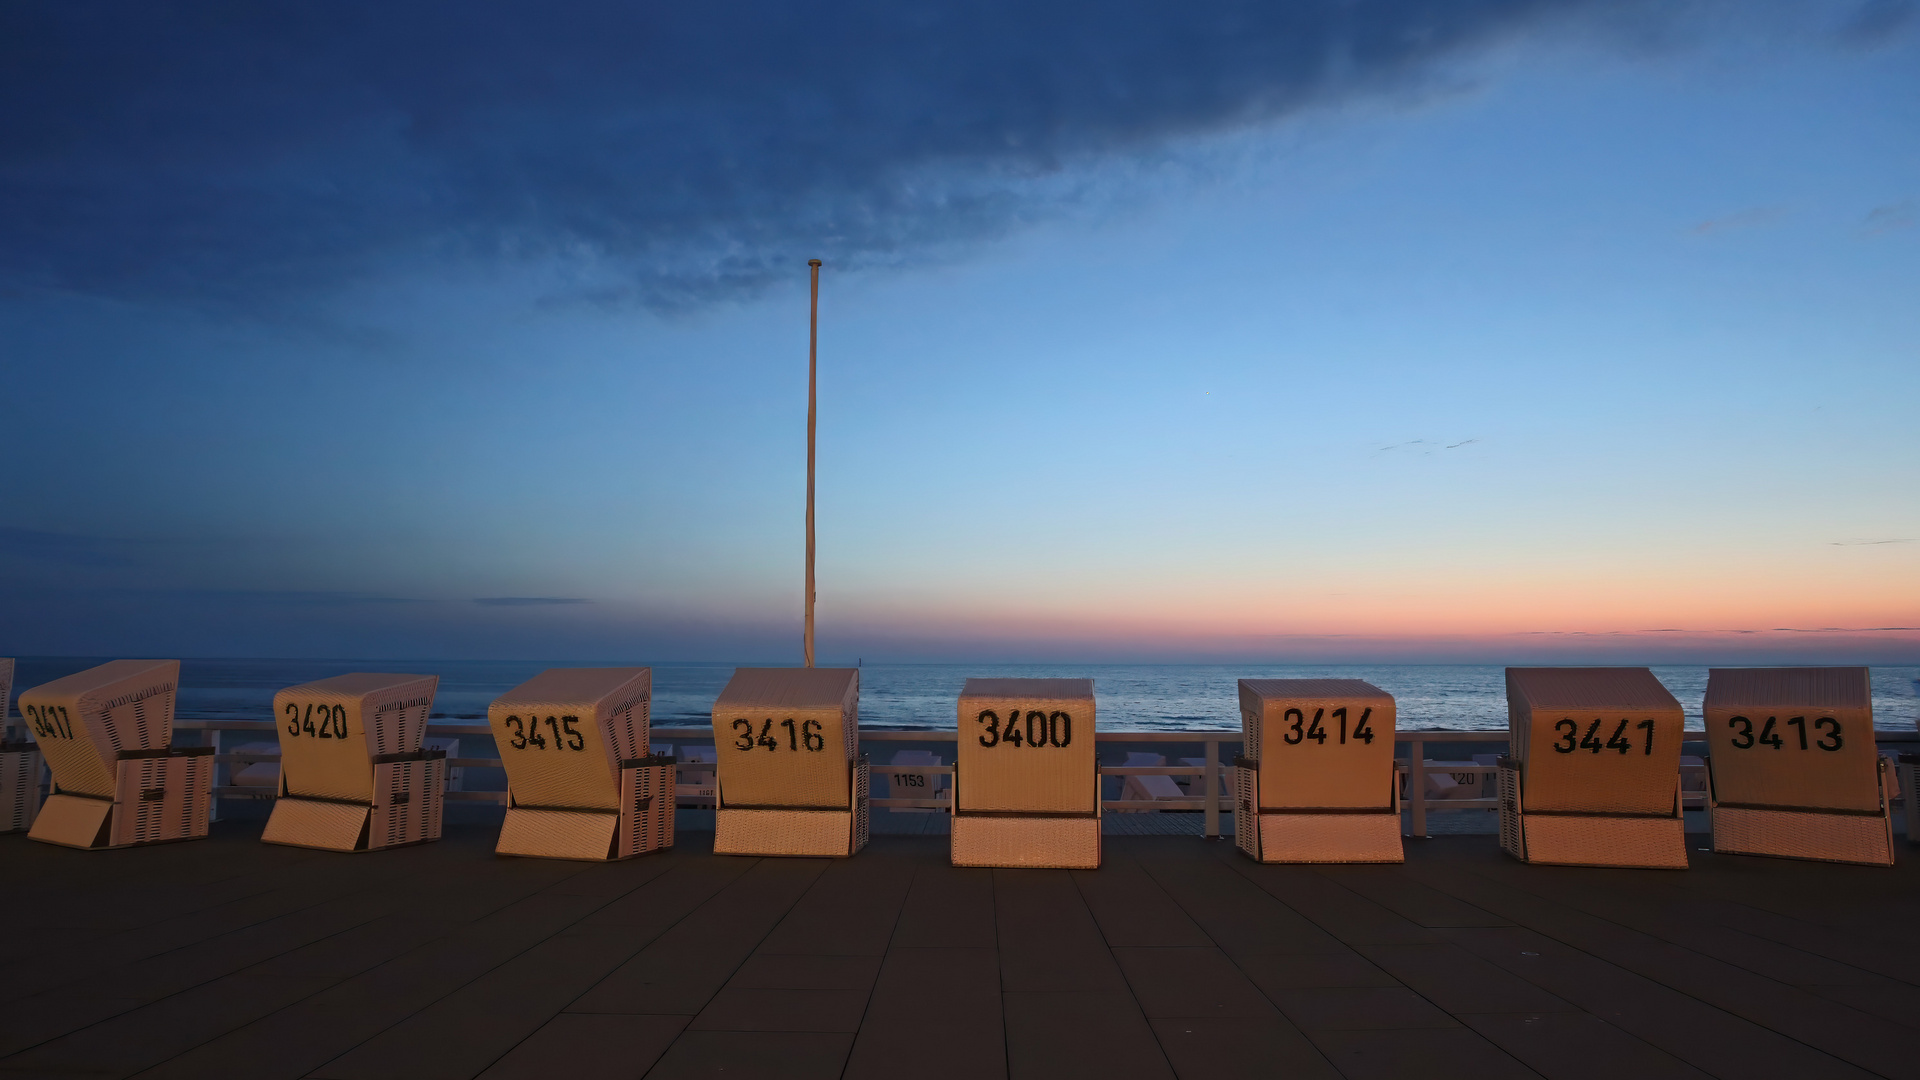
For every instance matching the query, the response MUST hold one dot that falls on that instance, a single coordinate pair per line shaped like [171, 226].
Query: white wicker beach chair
[700, 788]
[1594, 774]
[355, 774]
[1796, 772]
[926, 785]
[1026, 784]
[1317, 782]
[582, 782]
[20, 765]
[107, 735]
[791, 779]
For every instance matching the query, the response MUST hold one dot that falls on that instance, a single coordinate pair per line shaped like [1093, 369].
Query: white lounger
[1149, 786]
[107, 734]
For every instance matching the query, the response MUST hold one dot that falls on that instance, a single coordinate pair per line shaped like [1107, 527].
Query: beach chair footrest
[1803, 834]
[1304, 836]
[796, 831]
[1017, 840]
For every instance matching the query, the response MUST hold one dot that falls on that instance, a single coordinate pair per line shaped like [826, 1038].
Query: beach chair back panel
[563, 734]
[331, 730]
[85, 721]
[1594, 740]
[1793, 737]
[162, 796]
[787, 737]
[6, 696]
[1321, 743]
[1026, 746]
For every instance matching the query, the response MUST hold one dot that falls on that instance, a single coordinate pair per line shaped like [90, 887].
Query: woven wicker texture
[1804, 834]
[563, 734]
[6, 688]
[787, 737]
[162, 798]
[818, 833]
[1320, 742]
[1793, 737]
[1065, 843]
[1026, 746]
[331, 730]
[646, 807]
[409, 800]
[318, 823]
[1652, 843]
[1246, 811]
[1512, 840]
[76, 821]
[1656, 842]
[1331, 838]
[1597, 740]
[558, 834]
[86, 720]
[1910, 799]
[19, 786]
[1293, 837]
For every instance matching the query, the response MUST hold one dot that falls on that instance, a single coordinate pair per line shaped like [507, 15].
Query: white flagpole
[813, 337]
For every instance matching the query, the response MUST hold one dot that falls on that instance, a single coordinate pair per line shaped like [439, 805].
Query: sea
[1129, 697]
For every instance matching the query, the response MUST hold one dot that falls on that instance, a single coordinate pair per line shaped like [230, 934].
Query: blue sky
[1364, 331]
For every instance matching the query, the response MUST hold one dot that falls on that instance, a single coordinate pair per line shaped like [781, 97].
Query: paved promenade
[228, 958]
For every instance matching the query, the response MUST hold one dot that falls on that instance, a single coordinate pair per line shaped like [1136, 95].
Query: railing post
[1213, 789]
[1417, 784]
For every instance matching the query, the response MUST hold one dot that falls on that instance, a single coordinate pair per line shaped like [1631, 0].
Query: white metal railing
[1213, 799]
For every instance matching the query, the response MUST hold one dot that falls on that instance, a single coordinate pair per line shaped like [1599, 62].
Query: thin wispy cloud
[1753, 218]
[1877, 22]
[1862, 542]
[1423, 446]
[529, 601]
[1886, 219]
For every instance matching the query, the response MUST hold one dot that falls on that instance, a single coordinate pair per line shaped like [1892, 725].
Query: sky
[1361, 330]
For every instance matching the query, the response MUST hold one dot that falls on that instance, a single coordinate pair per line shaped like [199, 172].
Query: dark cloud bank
[207, 151]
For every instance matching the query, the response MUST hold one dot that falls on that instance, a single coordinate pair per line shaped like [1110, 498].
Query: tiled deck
[228, 958]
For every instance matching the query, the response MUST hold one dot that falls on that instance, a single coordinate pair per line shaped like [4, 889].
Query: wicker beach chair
[1593, 778]
[791, 779]
[582, 782]
[20, 765]
[1795, 770]
[1317, 782]
[107, 735]
[926, 785]
[353, 773]
[1026, 783]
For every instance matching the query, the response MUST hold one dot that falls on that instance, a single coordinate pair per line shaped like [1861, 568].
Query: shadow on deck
[228, 958]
